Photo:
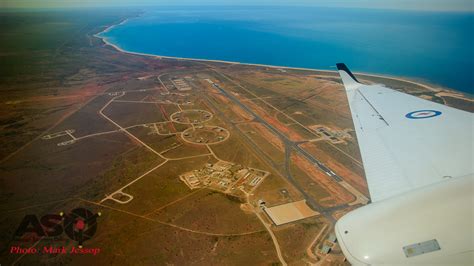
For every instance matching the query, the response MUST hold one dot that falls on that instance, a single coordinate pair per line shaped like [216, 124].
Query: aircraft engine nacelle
[428, 226]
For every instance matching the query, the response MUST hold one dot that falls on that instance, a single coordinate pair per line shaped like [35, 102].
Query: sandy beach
[440, 91]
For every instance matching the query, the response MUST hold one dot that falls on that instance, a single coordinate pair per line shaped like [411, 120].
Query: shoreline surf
[428, 86]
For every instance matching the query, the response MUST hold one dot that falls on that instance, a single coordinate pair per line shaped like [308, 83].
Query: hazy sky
[438, 5]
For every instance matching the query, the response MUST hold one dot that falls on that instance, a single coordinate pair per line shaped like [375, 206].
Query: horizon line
[24, 8]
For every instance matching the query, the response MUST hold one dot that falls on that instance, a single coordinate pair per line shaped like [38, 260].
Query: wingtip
[343, 67]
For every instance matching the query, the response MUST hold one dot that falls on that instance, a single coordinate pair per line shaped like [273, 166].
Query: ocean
[436, 47]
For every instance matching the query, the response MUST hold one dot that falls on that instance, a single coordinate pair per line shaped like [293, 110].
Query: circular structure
[205, 135]
[192, 116]
[420, 114]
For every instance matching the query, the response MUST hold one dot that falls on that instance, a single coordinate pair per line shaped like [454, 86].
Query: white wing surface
[407, 142]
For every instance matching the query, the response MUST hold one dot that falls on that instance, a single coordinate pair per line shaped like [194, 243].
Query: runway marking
[288, 116]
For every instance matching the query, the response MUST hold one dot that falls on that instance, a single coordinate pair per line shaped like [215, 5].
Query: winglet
[349, 80]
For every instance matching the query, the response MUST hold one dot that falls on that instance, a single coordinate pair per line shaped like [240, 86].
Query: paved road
[289, 146]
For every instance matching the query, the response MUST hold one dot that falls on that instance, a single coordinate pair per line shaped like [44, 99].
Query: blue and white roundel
[420, 114]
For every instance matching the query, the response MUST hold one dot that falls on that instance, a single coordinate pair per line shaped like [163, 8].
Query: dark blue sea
[433, 46]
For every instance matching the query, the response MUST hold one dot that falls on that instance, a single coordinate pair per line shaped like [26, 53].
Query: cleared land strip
[110, 197]
[189, 157]
[283, 113]
[163, 84]
[75, 139]
[160, 102]
[170, 224]
[160, 154]
[63, 118]
[309, 250]
[173, 202]
[125, 130]
[267, 227]
[39, 205]
[288, 143]
[274, 239]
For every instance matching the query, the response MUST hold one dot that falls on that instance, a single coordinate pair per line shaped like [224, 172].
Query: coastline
[446, 91]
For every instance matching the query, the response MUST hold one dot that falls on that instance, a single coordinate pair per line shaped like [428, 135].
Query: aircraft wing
[407, 142]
